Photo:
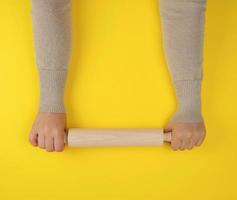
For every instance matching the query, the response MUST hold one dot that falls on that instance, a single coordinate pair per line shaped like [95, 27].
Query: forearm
[51, 21]
[183, 35]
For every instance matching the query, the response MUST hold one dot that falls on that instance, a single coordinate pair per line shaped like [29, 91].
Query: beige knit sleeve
[183, 33]
[51, 20]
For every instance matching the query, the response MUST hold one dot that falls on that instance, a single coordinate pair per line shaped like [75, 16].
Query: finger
[41, 141]
[53, 144]
[175, 143]
[190, 145]
[200, 141]
[49, 144]
[58, 143]
[33, 138]
[182, 145]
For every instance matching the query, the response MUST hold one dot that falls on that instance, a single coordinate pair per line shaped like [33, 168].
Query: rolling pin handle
[167, 137]
[65, 138]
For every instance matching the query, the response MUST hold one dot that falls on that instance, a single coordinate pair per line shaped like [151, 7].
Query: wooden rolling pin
[92, 137]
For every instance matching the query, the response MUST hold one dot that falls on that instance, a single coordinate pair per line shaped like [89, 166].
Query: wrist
[188, 93]
[52, 83]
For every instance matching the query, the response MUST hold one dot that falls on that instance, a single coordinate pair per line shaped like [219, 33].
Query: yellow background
[117, 78]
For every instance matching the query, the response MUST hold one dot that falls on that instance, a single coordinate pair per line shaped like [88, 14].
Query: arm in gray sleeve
[183, 33]
[51, 20]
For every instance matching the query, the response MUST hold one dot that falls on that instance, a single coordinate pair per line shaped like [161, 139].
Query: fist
[186, 135]
[48, 131]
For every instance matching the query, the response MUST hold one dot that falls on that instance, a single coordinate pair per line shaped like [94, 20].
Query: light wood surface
[89, 137]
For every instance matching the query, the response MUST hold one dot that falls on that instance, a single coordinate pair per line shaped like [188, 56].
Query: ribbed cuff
[52, 84]
[188, 93]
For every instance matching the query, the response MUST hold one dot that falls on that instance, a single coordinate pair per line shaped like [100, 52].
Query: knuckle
[31, 135]
[55, 132]
[51, 131]
[45, 129]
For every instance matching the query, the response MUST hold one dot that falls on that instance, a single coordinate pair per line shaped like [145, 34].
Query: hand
[186, 135]
[48, 131]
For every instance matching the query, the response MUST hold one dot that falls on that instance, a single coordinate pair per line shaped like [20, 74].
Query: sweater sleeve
[183, 33]
[51, 22]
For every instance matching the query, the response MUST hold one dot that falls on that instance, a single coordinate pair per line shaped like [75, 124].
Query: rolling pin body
[92, 137]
